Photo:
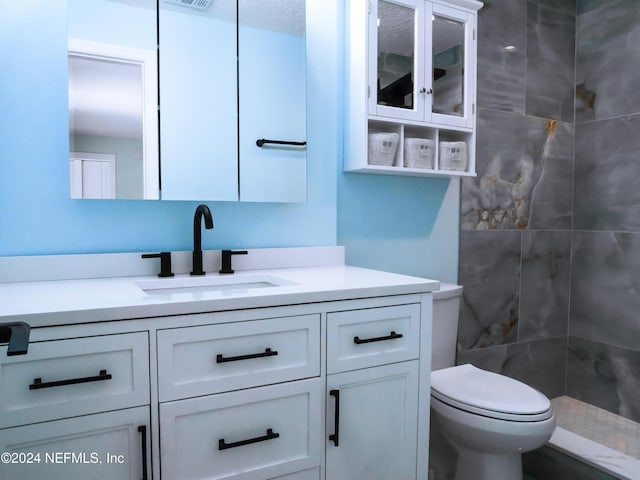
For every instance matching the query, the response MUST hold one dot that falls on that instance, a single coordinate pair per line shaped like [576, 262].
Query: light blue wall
[401, 224]
[36, 215]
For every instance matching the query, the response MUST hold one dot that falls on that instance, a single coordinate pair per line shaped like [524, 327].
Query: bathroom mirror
[113, 120]
[448, 66]
[221, 83]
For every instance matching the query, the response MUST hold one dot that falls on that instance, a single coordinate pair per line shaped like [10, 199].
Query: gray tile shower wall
[607, 73]
[604, 327]
[604, 288]
[550, 228]
[607, 174]
[524, 167]
[550, 71]
[604, 375]
[540, 363]
[544, 285]
[516, 215]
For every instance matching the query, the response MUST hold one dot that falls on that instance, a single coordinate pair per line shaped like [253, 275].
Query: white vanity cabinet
[410, 74]
[77, 408]
[372, 385]
[323, 384]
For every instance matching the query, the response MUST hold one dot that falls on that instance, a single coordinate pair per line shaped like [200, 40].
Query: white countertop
[64, 302]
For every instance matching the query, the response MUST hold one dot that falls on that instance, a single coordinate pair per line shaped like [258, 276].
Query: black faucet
[201, 211]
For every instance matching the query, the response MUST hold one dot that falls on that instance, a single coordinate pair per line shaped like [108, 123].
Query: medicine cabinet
[227, 81]
[411, 86]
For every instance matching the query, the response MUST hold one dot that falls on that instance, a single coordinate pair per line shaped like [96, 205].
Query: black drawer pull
[335, 436]
[392, 336]
[143, 430]
[38, 383]
[267, 353]
[222, 445]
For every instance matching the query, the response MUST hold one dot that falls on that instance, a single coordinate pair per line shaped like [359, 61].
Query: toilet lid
[479, 389]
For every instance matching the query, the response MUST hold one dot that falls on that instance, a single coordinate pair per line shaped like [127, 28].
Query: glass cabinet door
[451, 51]
[420, 65]
[396, 33]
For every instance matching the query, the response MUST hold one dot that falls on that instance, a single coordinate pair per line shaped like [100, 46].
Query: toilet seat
[477, 391]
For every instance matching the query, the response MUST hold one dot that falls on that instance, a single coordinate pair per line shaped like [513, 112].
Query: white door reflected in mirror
[113, 98]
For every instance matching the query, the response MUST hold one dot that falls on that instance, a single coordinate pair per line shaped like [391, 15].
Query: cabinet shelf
[406, 171]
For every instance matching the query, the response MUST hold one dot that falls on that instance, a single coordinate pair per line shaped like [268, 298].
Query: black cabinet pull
[38, 383]
[222, 445]
[335, 436]
[267, 353]
[262, 141]
[143, 430]
[392, 336]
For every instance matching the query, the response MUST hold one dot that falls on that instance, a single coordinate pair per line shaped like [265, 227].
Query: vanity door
[198, 101]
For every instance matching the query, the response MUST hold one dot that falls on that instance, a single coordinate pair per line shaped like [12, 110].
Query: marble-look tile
[502, 73]
[540, 364]
[566, 6]
[607, 174]
[584, 6]
[604, 288]
[524, 166]
[490, 274]
[608, 61]
[550, 63]
[605, 376]
[544, 288]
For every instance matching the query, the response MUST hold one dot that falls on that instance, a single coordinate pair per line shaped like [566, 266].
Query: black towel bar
[262, 141]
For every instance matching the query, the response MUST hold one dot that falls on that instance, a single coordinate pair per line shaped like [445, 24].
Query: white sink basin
[214, 283]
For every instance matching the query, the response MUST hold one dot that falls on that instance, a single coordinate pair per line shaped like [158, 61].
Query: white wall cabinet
[410, 72]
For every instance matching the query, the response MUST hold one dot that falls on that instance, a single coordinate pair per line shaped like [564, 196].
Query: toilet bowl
[487, 419]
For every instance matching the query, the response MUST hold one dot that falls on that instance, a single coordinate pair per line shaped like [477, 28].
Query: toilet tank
[446, 309]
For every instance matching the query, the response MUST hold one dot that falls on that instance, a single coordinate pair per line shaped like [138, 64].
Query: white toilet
[487, 419]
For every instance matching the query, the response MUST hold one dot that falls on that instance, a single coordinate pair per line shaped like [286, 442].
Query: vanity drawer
[265, 432]
[372, 336]
[210, 359]
[68, 378]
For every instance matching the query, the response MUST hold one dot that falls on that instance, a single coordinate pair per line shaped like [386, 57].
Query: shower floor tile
[599, 425]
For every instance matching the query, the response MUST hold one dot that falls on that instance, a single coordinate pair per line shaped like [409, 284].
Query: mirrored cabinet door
[112, 87]
[420, 62]
[272, 100]
[397, 56]
[198, 100]
[452, 49]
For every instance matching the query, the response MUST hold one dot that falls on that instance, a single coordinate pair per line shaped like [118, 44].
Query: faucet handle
[165, 262]
[226, 259]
